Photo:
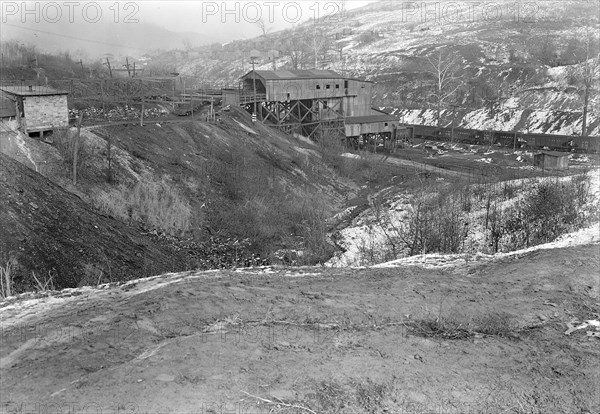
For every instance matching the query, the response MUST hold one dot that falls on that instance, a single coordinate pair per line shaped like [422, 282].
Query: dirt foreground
[314, 340]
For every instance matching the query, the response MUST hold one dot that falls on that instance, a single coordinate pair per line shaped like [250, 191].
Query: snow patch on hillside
[374, 233]
[505, 118]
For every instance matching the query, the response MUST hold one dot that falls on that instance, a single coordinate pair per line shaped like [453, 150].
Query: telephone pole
[127, 66]
[253, 62]
[109, 68]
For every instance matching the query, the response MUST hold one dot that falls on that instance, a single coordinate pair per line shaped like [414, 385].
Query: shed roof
[553, 153]
[7, 107]
[369, 119]
[36, 90]
[295, 74]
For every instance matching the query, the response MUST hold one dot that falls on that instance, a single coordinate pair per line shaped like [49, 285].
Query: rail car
[507, 139]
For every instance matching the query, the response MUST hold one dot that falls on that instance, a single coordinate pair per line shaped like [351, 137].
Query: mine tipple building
[313, 102]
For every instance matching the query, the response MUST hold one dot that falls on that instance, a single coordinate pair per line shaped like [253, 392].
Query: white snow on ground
[305, 139]
[372, 234]
[21, 308]
[120, 156]
[24, 149]
[366, 234]
[507, 117]
[246, 128]
[590, 235]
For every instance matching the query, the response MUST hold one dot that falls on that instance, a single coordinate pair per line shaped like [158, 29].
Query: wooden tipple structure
[313, 103]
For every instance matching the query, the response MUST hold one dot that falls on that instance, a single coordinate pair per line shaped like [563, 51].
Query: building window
[337, 86]
[345, 84]
[327, 86]
[318, 86]
[386, 124]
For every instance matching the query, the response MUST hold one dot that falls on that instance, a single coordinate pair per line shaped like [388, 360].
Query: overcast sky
[200, 16]
[223, 19]
[94, 28]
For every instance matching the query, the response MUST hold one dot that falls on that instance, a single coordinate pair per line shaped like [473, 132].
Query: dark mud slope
[49, 231]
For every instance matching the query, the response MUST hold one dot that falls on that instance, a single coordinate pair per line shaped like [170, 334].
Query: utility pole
[76, 148]
[82, 70]
[253, 61]
[173, 94]
[142, 113]
[102, 95]
[134, 69]
[109, 68]
[127, 66]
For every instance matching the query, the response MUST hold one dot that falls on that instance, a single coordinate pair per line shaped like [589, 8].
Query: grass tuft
[154, 204]
[497, 324]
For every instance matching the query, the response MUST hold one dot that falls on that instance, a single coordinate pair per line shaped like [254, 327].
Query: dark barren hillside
[204, 195]
[49, 231]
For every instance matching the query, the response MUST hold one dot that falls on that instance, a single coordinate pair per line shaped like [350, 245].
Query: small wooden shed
[551, 160]
[376, 123]
[38, 108]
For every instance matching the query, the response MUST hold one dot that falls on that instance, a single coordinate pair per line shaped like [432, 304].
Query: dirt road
[313, 340]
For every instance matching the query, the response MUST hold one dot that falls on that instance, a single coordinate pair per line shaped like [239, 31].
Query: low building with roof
[551, 160]
[376, 123]
[36, 108]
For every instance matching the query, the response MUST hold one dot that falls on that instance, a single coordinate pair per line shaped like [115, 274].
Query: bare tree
[321, 44]
[296, 49]
[262, 25]
[586, 74]
[443, 67]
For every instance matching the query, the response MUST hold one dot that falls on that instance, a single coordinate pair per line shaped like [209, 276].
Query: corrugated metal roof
[295, 74]
[370, 119]
[36, 90]
[7, 107]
